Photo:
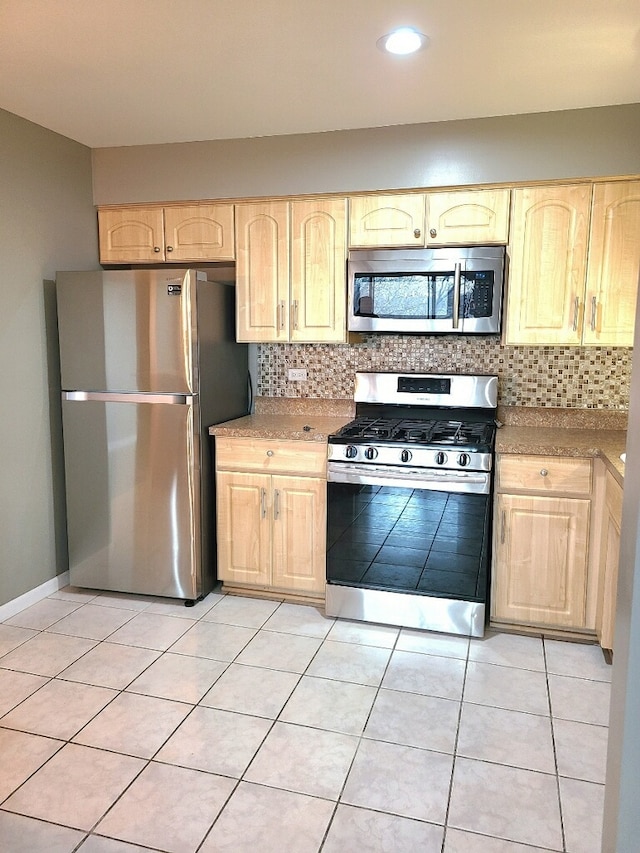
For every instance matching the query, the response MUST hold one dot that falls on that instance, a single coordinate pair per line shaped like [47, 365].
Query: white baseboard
[33, 596]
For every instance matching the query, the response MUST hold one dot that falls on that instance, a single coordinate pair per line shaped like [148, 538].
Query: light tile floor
[129, 723]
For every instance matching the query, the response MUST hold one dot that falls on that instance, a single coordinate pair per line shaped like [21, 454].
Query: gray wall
[47, 222]
[622, 790]
[594, 142]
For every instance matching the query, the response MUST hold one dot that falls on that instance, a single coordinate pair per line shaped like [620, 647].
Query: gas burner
[376, 431]
[457, 433]
[428, 432]
[417, 434]
[378, 428]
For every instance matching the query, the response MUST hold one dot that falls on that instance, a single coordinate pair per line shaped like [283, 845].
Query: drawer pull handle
[503, 522]
[576, 314]
[594, 311]
[269, 452]
[263, 503]
[543, 472]
[276, 504]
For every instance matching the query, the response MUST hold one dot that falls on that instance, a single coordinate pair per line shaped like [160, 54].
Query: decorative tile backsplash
[572, 377]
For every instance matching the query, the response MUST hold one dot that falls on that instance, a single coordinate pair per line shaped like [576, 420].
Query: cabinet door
[468, 217]
[262, 272]
[131, 235]
[389, 220]
[244, 527]
[540, 564]
[299, 533]
[199, 232]
[609, 557]
[614, 264]
[318, 271]
[548, 252]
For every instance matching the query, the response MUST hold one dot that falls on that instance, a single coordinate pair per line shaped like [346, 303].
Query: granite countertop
[565, 432]
[298, 419]
[544, 431]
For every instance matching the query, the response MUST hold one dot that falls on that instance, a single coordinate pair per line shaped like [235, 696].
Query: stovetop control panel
[411, 455]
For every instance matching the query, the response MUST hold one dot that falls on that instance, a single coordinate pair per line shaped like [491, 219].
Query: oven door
[408, 554]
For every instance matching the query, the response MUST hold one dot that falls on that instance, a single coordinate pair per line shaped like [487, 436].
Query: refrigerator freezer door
[124, 330]
[133, 497]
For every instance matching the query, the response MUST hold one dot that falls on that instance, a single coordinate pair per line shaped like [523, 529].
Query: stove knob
[350, 451]
[441, 458]
[463, 460]
[371, 453]
[405, 456]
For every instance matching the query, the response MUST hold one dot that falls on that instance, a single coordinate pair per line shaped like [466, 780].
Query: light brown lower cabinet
[541, 560]
[609, 556]
[541, 542]
[271, 515]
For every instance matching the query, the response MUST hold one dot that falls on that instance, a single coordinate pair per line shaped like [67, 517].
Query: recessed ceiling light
[403, 41]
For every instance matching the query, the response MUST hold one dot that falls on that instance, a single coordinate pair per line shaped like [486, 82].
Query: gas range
[431, 443]
[418, 425]
[409, 485]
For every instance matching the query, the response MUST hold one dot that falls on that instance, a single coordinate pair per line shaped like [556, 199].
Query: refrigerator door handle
[109, 397]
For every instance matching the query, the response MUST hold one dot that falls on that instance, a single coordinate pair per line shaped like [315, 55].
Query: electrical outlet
[296, 374]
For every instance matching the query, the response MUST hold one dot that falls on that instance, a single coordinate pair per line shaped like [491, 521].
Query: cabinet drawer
[306, 458]
[544, 474]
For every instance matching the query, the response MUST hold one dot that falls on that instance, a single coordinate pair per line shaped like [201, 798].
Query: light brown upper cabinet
[574, 266]
[468, 217]
[547, 264]
[291, 271]
[386, 220]
[179, 233]
[457, 218]
[613, 268]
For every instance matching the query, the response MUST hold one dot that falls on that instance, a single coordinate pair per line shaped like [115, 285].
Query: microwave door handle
[456, 295]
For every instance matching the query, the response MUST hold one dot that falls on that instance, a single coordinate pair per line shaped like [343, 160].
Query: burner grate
[423, 432]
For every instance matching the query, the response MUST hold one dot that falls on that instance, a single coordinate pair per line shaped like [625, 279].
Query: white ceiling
[131, 72]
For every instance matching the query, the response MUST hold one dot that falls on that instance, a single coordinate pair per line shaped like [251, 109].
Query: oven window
[408, 296]
[404, 296]
[414, 540]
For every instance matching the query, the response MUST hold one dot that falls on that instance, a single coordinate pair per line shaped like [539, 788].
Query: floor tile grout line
[361, 738]
[445, 826]
[554, 746]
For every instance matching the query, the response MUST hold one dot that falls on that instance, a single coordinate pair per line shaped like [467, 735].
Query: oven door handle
[456, 295]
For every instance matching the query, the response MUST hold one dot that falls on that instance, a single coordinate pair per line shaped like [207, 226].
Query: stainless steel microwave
[426, 291]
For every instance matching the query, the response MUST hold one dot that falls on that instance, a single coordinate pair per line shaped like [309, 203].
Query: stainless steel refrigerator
[148, 361]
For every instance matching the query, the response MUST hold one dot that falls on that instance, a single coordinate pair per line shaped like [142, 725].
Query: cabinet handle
[503, 523]
[269, 452]
[432, 233]
[543, 472]
[417, 232]
[263, 503]
[281, 315]
[276, 504]
[594, 309]
[576, 312]
[156, 248]
[169, 248]
[295, 313]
